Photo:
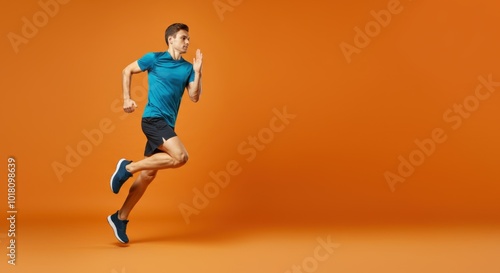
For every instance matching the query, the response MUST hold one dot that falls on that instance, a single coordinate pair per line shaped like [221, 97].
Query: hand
[129, 105]
[197, 61]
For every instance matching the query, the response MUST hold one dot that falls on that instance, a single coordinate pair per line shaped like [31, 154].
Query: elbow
[194, 98]
[194, 95]
[126, 72]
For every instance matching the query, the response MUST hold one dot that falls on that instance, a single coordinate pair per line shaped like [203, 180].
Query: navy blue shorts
[156, 130]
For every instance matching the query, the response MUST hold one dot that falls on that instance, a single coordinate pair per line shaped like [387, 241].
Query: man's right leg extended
[119, 220]
[136, 191]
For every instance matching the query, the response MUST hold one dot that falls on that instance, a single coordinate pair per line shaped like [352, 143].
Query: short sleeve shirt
[167, 80]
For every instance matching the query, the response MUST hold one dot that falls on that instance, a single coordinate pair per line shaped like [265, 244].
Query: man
[168, 76]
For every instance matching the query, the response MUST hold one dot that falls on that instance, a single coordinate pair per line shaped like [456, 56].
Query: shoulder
[152, 55]
[149, 59]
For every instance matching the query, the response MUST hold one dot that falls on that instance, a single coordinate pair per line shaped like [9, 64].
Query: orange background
[353, 120]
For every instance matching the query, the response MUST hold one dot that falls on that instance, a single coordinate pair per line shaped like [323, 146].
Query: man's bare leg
[136, 191]
[173, 155]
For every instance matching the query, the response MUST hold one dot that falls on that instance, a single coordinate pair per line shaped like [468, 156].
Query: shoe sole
[115, 230]
[114, 174]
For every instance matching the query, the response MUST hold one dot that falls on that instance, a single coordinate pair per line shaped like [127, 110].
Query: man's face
[180, 41]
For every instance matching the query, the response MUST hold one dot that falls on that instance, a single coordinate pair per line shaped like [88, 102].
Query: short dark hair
[173, 29]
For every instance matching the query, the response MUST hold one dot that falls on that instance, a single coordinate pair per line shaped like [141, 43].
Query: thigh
[173, 146]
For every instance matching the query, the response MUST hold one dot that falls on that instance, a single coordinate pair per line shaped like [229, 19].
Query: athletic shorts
[156, 130]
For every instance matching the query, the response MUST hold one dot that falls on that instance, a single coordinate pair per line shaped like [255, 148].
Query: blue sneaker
[120, 176]
[119, 227]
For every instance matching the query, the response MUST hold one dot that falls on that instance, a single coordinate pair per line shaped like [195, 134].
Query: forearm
[195, 92]
[126, 79]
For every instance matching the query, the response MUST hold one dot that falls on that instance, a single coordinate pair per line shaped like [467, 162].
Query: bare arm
[194, 87]
[129, 105]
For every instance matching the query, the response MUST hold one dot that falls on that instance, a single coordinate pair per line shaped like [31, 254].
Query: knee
[180, 159]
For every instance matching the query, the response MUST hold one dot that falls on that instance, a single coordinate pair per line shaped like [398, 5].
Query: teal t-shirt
[167, 79]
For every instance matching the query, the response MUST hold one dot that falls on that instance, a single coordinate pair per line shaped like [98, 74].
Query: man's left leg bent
[173, 155]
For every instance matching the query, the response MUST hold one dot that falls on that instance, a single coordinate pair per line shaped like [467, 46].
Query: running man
[168, 76]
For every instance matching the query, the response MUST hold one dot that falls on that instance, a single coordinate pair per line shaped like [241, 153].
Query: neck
[176, 55]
